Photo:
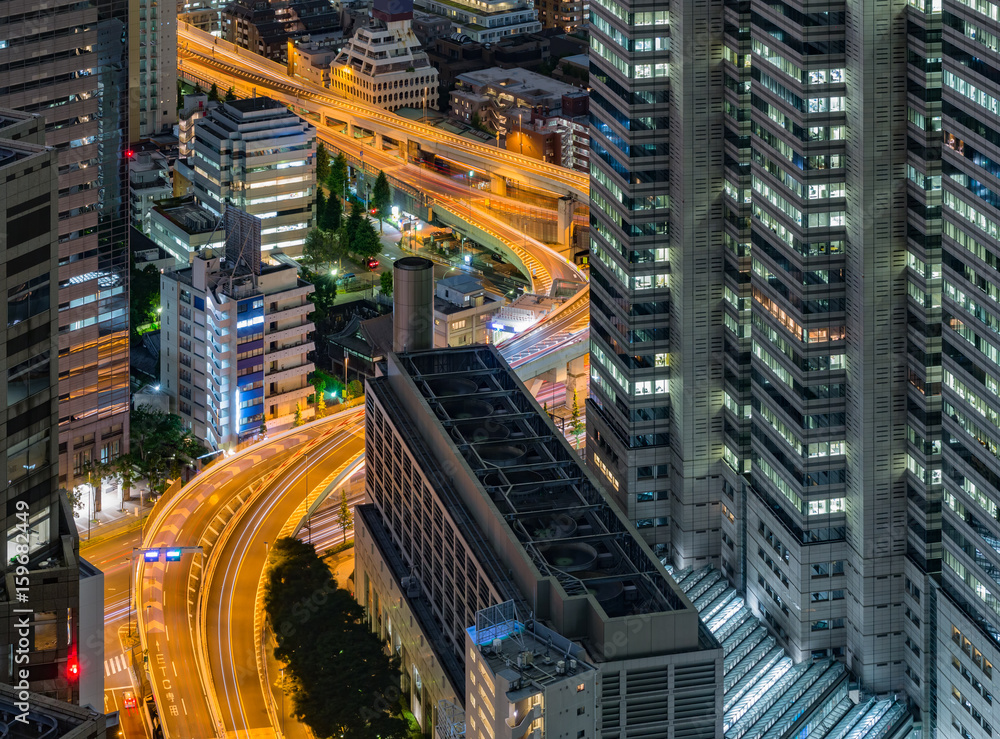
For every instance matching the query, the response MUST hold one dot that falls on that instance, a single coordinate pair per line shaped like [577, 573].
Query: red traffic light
[73, 668]
[129, 153]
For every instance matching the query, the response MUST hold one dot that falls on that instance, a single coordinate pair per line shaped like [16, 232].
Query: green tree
[343, 684]
[180, 94]
[321, 206]
[322, 163]
[198, 90]
[323, 299]
[354, 390]
[576, 425]
[381, 200]
[345, 517]
[350, 228]
[126, 471]
[162, 446]
[144, 297]
[95, 472]
[213, 93]
[366, 242]
[298, 416]
[321, 250]
[337, 179]
[320, 405]
[385, 280]
[332, 214]
[230, 95]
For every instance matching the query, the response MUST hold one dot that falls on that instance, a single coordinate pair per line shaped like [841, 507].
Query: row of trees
[340, 679]
[334, 174]
[160, 447]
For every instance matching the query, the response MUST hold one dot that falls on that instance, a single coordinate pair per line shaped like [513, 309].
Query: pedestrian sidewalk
[114, 515]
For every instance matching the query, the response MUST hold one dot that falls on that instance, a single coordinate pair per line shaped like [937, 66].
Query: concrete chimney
[412, 304]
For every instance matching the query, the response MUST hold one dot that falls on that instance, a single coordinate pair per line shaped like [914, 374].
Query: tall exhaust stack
[412, 304]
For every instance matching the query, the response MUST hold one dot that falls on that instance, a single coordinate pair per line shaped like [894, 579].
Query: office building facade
[256, 155]
[39, 531]
[152, 68]
[792, 359]
[69, 63]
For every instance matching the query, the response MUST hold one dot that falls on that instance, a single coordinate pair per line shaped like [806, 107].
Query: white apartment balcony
[289, 396]
[289, 351]
[287, 373]
[290, 332]
[291, 312]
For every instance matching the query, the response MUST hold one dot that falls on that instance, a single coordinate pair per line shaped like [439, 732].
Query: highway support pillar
[498, 185]
[576, 382]
[379, 142]
[565, 221]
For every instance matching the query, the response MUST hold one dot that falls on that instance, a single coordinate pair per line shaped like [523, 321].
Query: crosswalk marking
[114, 665]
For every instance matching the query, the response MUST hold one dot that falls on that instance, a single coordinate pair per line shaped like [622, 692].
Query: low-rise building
[193, 109]
[258, 156]
[234, 346]
[254, 25]
[486, 21]
[429, 27]
[311, 57]
[385, 64]
[462, 309]
[567, 16]
[54, 719]
[538, 116]
[181, 227]
[149, 181]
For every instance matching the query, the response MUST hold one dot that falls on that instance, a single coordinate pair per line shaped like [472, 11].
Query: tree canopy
[337, 178]
[321, 250]
[381, 200]
[385, 281]
[213, 93]
[366, 242]
[230, 95]
[162, 447]
[144, 296]
[343, 684]
[322, 163]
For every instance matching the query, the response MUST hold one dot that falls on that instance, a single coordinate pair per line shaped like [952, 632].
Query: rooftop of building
[48, 717]
[254, 104]
[528, 655]
[562, 521]
[188, 215]
[517, 81]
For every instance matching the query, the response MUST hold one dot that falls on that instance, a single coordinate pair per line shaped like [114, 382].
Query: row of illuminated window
[773, 364]
[647, 43]
[972, 246]
[809, 336]
[598, 378]
[973, 216]
[106, 316]
[597, 174]
[820, 363]
[731, 458]
[970, 91]
[984, 7]
[606, 471]
[810, 508]
[732, 405]
[824, 219]
[275, 182]
[278, 198]
[924, 182]
[971, 581]
[924, 299]
[919, 266]
[811, 77]
[644, 18]
[971, 306]
[783, 430]
[280, 165]
[652, 387]
[971, 398]
[919, 119]
[972, 428]
[597, 353]
[979, 342]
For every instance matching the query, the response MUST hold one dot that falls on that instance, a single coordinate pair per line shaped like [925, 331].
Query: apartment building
[40, 533]
[258, 156]
[234, 344]
[182, 227]
[385, 64]
[149, 182]
[68, 62]
[568, 17]
[152, 68]
[792, 358]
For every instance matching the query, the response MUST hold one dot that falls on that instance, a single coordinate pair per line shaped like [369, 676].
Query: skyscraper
[68, 62]
[794, 321]
[39, 533]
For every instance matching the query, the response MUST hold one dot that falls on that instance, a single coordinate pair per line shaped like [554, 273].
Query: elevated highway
[199, 48]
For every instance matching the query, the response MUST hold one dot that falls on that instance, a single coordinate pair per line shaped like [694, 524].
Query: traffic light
[151, 555]
[173, 555]
[129, 153]
[72, 669]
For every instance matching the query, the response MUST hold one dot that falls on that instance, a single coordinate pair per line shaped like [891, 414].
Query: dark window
[29, 260]
[28, 227]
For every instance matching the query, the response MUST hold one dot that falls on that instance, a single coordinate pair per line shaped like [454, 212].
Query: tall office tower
[69, 63]
[39, 532]
[814, 411]
[152, 68]
[258, 156]
[952, 583]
